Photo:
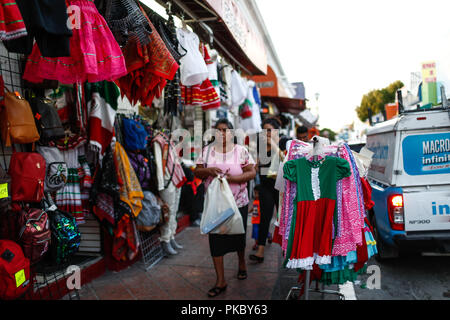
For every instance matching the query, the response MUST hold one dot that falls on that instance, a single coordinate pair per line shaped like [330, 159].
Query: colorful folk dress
[310, 239]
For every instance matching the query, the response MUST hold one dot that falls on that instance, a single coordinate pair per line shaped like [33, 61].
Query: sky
[344, 49]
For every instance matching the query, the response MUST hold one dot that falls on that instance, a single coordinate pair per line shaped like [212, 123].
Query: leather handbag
[27, 171]
[48, 122]
[17, 122]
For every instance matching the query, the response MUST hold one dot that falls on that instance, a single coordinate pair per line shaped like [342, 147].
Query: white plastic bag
[221, 214]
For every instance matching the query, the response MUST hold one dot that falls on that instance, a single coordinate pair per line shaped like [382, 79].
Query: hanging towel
[103, 106]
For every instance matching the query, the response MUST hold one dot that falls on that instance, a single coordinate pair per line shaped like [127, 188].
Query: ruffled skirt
[94, 53]
[12, 25]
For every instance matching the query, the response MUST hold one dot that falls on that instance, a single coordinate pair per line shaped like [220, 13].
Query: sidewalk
[190, 274]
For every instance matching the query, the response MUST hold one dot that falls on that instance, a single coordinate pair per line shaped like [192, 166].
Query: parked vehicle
[410, 177]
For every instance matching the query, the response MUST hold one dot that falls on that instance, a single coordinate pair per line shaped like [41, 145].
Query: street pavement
[190, 274]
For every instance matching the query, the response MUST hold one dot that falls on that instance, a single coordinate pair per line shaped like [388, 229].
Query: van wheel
[384, 251]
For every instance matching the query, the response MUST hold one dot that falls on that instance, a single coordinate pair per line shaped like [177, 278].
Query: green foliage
[377, 99]
[328, 133]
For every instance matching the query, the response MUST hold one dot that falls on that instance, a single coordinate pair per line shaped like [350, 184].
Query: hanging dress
[94, 53]
[12, 25]
[310, 239]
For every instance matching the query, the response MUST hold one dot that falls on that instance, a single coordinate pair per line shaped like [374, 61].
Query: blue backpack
[135, 135]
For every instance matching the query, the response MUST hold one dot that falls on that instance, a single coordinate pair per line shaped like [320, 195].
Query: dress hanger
[183, 23]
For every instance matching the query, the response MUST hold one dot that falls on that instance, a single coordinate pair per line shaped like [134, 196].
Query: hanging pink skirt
[95, 54]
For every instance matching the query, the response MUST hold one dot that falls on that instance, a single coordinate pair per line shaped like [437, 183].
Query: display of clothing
[193, 69]
[130, 189]
[239, 90]
[126, 20]
[323, 224]
[12, 25]
[46, 21]
[315, 204]
[69, 198]
[253, 123]
[94, 53]
[102, 105]
[203, 94]
[149, 68]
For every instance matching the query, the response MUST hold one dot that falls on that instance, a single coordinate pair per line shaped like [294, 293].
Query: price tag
[20, 278]
[4, 191]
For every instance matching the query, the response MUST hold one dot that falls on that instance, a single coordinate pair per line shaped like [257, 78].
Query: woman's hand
[214, 172]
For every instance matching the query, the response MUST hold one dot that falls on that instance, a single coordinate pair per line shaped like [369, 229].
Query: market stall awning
[288, 105]
[233, 37]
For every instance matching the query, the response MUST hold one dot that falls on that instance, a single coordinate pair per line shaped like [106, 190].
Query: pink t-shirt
[231, 163]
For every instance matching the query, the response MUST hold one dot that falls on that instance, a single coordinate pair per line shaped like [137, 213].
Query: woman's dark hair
[302, 129]
[273, 122]
[224, 121]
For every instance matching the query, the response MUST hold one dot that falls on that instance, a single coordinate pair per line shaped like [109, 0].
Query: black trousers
[268, 200]
[220, 245]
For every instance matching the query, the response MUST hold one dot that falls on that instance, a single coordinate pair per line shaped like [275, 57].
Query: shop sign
[250, 41]
[266, 84]
[429, 72]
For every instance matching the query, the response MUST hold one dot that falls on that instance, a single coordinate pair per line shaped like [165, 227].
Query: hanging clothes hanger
[183, 23]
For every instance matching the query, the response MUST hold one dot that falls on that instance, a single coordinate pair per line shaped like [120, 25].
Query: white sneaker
[175, 245]
[167, 248]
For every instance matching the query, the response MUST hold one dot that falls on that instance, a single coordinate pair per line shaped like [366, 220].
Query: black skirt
[220, 245]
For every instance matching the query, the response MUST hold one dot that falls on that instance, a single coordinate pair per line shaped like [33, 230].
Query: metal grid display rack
[151, 249]
[46, 282]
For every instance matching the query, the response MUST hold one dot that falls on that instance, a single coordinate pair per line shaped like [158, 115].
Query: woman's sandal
[242, 274]
[256, 258]
[214, 292]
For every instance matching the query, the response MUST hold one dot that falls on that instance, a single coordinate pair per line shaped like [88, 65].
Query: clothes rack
[307, 277]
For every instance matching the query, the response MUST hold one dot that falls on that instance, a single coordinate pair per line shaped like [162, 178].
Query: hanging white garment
[239, 90]
[193, 69]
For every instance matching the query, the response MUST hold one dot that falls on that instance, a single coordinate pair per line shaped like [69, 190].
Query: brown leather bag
[17, 121]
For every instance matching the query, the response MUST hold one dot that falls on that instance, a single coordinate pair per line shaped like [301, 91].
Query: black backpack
[47, 120]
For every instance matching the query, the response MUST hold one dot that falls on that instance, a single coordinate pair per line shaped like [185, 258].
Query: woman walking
[224, 157]
[267, 193]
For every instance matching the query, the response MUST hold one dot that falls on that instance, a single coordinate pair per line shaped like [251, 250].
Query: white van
[410, 177]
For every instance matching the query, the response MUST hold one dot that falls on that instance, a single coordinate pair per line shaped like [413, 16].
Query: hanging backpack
[16, 119]
[14, 271]
[47, 119]
[141, 167]
[34, 235]
[27, 171]
[135, 135]
[56, 168]
[66, 237]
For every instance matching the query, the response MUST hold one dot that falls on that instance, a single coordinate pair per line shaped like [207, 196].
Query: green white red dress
[310, 239]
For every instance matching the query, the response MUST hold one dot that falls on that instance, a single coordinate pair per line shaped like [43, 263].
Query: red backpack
[27, 171]
[14, 271]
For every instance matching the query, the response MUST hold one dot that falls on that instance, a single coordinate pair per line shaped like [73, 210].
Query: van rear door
[423, 171]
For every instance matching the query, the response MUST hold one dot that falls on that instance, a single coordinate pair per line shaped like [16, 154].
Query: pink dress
[232, 163]
[94, 53]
